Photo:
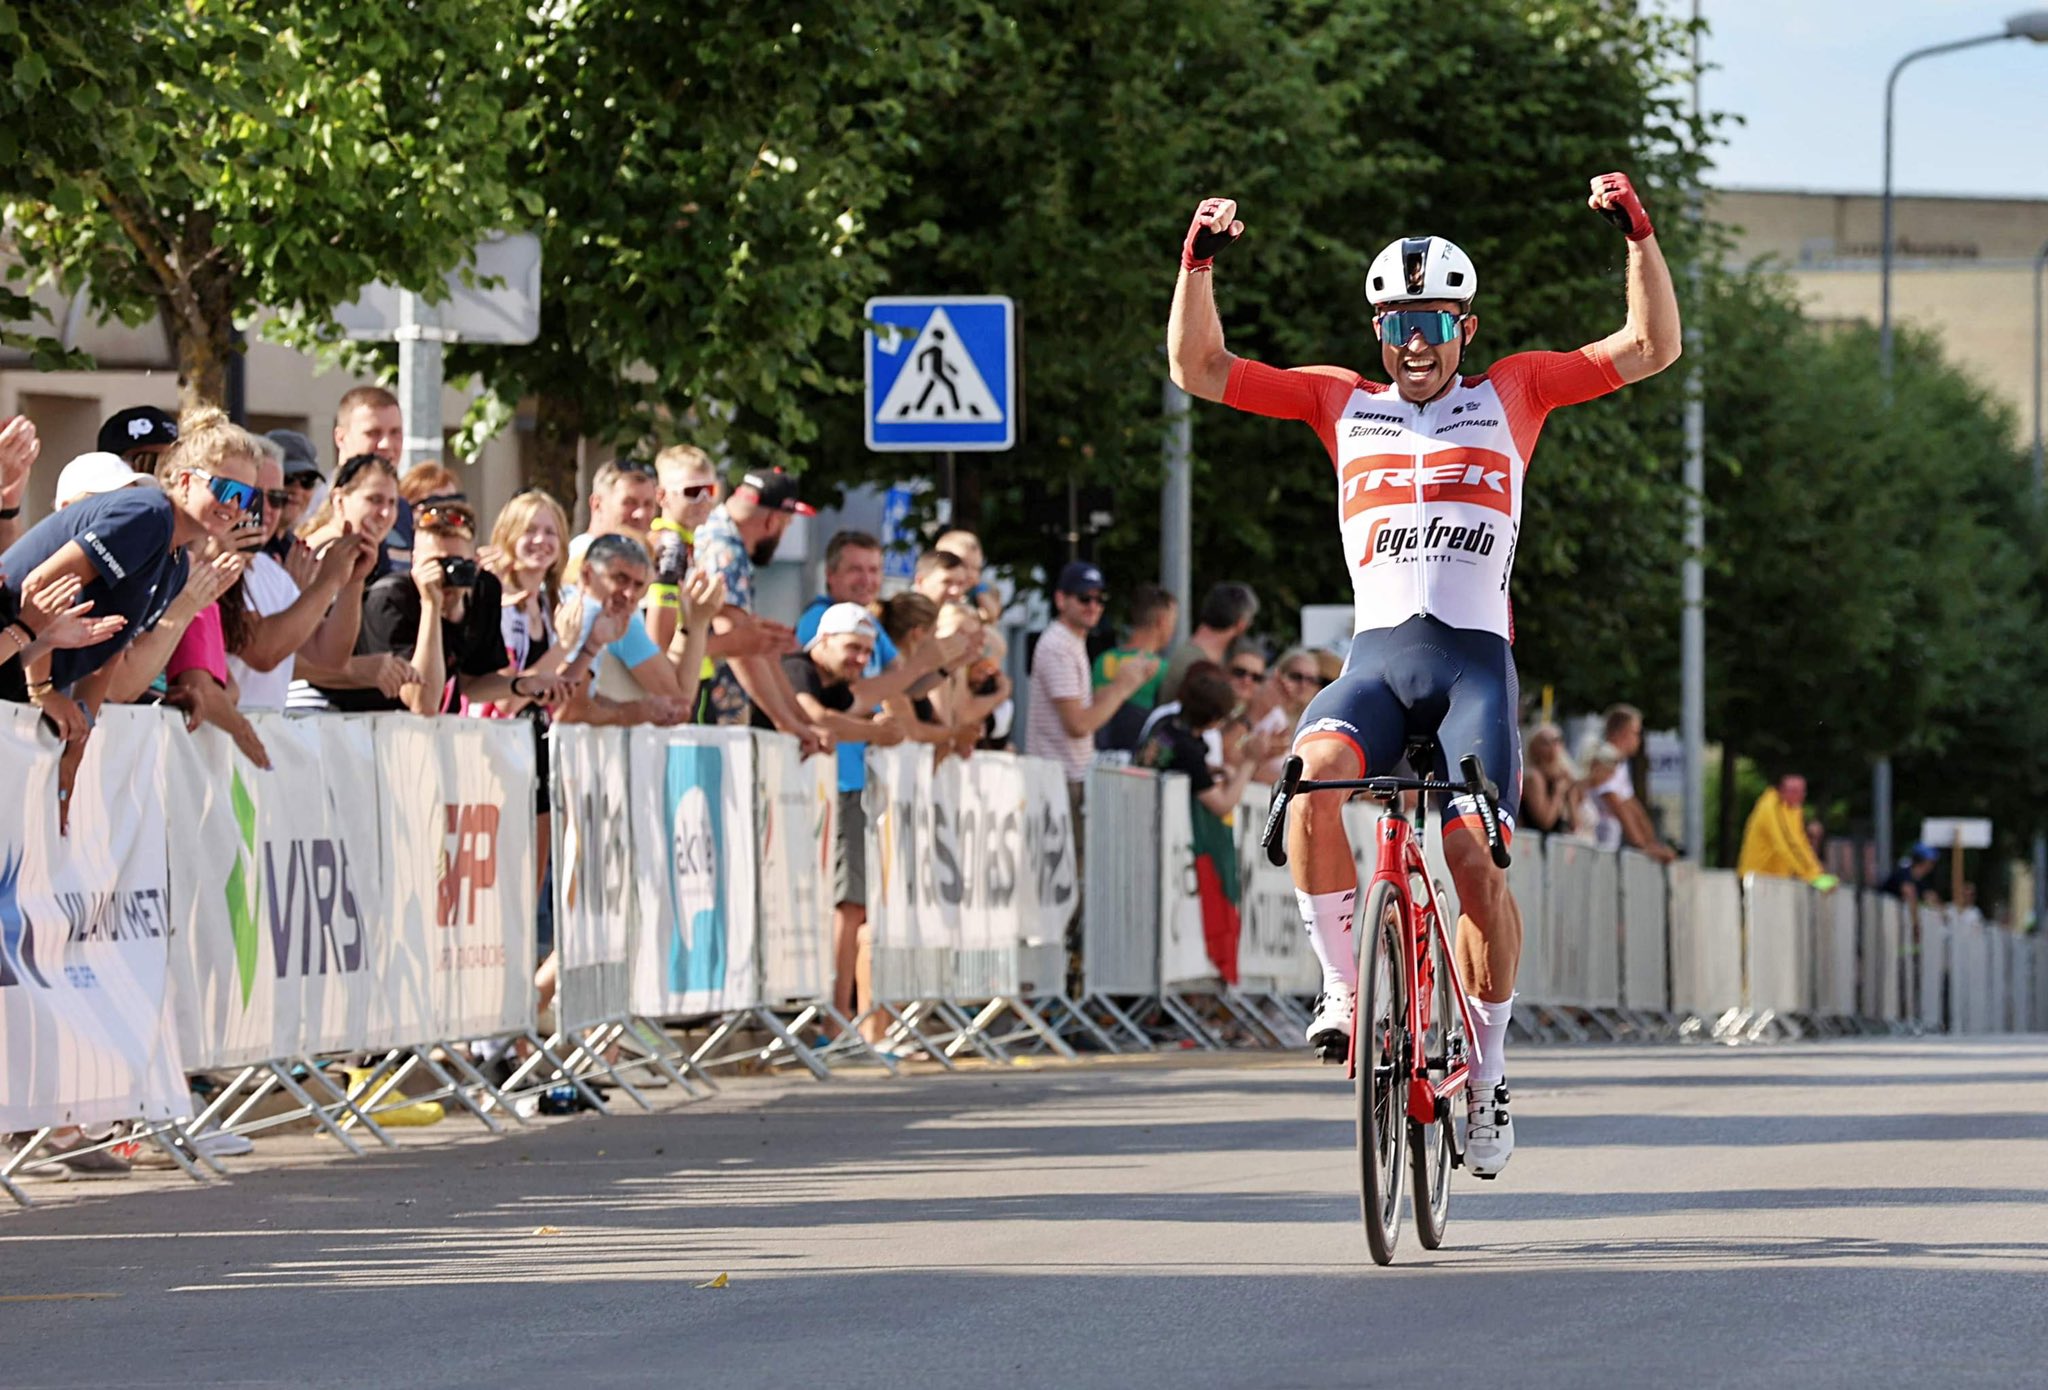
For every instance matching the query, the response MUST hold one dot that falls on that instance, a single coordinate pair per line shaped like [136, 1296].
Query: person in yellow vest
[1774, 841]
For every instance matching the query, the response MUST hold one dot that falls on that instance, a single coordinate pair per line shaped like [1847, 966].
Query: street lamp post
[2031, 25]
[2040, 494]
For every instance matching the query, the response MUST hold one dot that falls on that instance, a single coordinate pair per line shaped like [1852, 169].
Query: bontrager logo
[469, 862]
[1457, 475]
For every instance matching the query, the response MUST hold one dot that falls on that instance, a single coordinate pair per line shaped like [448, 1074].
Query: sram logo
[1452, 475]
[469, 862]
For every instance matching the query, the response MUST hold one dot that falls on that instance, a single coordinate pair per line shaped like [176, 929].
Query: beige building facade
[1962, 267]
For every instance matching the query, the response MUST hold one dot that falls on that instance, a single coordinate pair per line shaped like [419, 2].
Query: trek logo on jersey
[1388, 539]
[1456, 475]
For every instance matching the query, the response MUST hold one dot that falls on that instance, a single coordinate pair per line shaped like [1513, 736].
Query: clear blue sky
[1809, 77]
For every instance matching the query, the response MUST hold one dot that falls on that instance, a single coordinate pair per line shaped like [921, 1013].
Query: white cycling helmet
[1420, 267]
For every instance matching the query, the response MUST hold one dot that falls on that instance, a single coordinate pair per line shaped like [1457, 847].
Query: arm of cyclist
[1196, 358]
[1651, 339]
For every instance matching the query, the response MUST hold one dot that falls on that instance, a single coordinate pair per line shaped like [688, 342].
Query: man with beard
[738, 535]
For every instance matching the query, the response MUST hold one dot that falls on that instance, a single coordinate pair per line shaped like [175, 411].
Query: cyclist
[1429, 502]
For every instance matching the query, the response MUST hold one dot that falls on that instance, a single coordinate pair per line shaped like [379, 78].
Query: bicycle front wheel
[1443, 1048]
[1380, 1050]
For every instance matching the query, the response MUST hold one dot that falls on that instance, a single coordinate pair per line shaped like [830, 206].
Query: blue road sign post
[941, 373]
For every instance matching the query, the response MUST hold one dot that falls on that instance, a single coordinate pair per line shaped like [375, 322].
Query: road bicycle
[1411, 1042]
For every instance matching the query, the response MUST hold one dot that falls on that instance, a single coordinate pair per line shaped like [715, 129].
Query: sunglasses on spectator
[276, 496]
[1245, 673]
[639, 466]
[1092, 596]
[1308, 678]
[229, 493]
[307, 478]
[694, 491]
[445, 516]
[1437, 326]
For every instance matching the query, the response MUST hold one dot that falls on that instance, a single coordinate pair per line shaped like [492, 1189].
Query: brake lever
[1274, 838]
[1488, 797]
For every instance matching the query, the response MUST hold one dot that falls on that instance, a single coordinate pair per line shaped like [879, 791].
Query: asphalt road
[1852, 1213]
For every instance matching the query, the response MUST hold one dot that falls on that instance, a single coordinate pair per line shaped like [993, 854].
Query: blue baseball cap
[1923, 850]
[1080, 577]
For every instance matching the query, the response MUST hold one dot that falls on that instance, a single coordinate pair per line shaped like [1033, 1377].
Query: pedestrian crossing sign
[941, 373]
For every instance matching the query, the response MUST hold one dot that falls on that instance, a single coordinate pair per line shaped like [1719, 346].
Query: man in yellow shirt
[1774, 841]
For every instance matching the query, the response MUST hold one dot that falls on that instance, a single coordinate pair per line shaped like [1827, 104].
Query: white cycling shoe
[1489, 1130]
[1329, 1032]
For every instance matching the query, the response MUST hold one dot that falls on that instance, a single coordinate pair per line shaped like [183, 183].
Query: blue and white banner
[600, 903]
[699, 955]
[85, 927]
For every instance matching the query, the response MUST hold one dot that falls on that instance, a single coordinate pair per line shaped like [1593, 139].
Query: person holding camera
[442, 617]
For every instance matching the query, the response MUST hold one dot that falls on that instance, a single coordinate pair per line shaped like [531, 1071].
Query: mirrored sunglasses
[242, 497]
[1437, 326]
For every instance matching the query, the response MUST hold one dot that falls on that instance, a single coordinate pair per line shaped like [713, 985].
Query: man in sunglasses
[686, 489]
[1428, 482]
[302, 482]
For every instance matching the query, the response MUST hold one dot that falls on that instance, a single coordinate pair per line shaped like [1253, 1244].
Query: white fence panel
[457, 810]
[797, 811]
[1120, 912]
[1274, 951]
[279, 945]
[1779, 931]
[1706, 940]
[2019, 983]
[1528, 880]
[1932, 977]
[694, 844]
[1644, 927]
[1183, 956]
[1834, 954]
[1582, 906]
[85, 1024]
[601, 904]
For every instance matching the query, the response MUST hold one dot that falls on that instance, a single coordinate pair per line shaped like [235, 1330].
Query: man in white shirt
[1066, 707]
[303, 602]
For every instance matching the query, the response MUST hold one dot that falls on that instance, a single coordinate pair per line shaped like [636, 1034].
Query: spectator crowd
[194, 564]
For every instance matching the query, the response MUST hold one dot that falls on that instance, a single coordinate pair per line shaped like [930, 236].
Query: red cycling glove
[1614, 198]
[1198, 252]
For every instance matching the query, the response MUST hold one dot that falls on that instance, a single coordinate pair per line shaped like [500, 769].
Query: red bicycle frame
[1400, 864]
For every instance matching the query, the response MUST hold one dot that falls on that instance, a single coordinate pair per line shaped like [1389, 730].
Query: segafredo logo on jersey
[1478, 476]
[1388, 539]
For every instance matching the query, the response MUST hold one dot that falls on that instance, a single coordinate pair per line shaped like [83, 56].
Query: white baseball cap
[90, 474]
[843, 618]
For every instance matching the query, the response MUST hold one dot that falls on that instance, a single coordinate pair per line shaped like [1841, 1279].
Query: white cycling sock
[1492, 1022]
[1328, 919]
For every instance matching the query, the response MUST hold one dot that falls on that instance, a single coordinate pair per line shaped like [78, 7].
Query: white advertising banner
[279, 946]
[1051, 877]
[1274, 951]
[457, 811]
[798, 810]
[694, 842]
[600, 903]
[1183, 950]
[901, 913]
[85, 1024]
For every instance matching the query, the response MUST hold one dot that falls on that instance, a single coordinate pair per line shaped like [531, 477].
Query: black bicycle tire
[1430, 1162]
[1382, 1119]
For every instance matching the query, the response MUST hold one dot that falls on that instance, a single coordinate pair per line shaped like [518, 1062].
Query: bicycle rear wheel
[1381, 1053]
[1443, 1047]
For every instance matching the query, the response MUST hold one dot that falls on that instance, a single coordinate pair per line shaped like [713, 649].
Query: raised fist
[1215, 226]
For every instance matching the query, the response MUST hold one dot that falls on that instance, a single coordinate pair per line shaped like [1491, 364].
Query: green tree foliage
[203, 160]
[1875, 580]
[704, 177]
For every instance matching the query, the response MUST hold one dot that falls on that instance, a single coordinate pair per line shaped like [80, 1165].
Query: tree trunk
[967, 495]
[201, 317]
[557, 428]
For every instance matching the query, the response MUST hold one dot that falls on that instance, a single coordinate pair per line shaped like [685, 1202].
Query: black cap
[138, 427]
[299, 455]
[1080, 577]
[777, 491]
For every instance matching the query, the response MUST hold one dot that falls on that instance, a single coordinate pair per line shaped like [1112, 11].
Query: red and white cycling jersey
[1429, 497]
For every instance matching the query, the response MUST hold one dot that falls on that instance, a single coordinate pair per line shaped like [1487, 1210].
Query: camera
[458, 572]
